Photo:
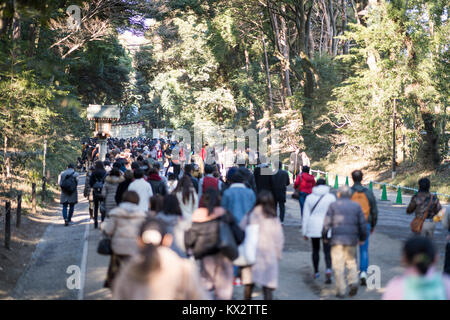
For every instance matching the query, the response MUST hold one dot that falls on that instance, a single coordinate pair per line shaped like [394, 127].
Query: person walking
[123, 186]
[304, 183]
[158, 186]
[208, 181]
[348, 225]
[156, 272]
[188, 172]
[202, 240]
[122, 227]
[68, 182]
[368, 203]
[446, 226]
[96, 181]
[142, 188]
[109, 190]
[316, 207]
[294, 164]
[238, 199]
[280, 180]
[425, 206]
[264, 271]
[263, 180]
[187, 197]
[176, 225]
[420, 281]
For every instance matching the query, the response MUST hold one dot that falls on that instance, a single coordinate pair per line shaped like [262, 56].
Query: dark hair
[99, 165]
[266, 200]
[107, 163]
[185, 187]
[357, 176]
[237, 177]
[188, 168]
[149, 252]
[157, 166]
[420, 253]
[135, 165]
[138, 174]
[70, 166]
[210, 200]
[209, 169]
[129, 175]
[171, 205]
[305, 169]
[424, 185]
[157, 203]
[130, 196]
[140, 158]
[171, 176]
[153, 171]
[114, 172]
[116, 165]
[320, 182]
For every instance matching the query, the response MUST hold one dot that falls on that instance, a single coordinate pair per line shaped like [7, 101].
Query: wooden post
[33, 198]
[19, 210]
[8, 225]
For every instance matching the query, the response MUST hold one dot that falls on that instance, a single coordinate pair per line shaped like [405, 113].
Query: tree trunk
[269, 85]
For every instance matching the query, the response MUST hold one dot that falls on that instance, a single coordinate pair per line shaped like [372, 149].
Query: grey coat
[347, 223]
[68, 198]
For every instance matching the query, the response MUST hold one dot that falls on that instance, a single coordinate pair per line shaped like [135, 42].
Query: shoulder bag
[417, 223]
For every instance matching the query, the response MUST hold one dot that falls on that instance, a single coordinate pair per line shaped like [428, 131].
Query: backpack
[97, 188]
[361, 198]
[69, 184]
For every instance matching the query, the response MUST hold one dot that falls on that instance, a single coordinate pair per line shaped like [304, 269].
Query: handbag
[247, 250]
[296, 194]
[417, 223]
[104, 246]
[227, 243]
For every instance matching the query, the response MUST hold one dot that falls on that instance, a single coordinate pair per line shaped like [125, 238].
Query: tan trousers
[344, 257]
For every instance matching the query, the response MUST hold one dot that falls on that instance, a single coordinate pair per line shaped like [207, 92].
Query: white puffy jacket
[312, 223]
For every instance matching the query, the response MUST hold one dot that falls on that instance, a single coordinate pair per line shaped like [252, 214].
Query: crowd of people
[175, 219]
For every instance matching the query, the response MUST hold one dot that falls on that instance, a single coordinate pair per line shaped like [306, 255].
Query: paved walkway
[75, 246]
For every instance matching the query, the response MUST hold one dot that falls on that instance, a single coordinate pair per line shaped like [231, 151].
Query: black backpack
[97, 188]
[69, 184]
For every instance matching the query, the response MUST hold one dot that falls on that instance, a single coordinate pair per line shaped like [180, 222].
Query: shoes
[363, 278]
[316, 275]
[66, 223]
[353, 290]
[328, 277]
[340, 296]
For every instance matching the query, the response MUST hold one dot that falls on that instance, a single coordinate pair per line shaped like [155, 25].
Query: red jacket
[306, 184]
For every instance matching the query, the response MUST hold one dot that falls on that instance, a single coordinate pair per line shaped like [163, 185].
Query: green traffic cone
[336, 182]
[399, 196]
[384, 194]
[326, 179]
[371, 186]
[346, 181]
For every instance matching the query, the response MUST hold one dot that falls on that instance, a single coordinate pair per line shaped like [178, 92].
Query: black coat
[280, 181]
[263, 182]
[123, 186]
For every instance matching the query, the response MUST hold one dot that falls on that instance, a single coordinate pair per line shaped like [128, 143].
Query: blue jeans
[302, 199]
[71, 209]
[364, 253]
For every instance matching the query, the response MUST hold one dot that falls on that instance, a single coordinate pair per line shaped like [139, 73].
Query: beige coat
[123, 226]
[109, 191]
[176, 279]
[270, 245]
